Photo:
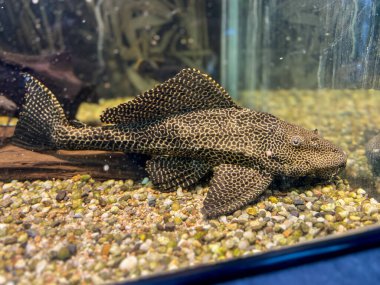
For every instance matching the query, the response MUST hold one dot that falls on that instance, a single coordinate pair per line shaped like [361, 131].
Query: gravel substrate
[83, 231]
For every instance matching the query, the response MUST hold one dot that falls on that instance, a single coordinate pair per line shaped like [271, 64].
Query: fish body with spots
[191, 128]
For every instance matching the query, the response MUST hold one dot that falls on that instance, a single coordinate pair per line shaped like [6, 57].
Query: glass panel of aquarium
[201, 138]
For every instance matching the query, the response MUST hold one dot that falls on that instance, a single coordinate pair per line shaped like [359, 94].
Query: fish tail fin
[40, 117]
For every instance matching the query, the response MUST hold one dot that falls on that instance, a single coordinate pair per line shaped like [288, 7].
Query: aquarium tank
[144, 137]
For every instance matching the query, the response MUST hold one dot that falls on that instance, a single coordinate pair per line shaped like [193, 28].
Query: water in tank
[145, 137]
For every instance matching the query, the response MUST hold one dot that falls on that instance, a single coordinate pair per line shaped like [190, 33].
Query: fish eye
[296, 140]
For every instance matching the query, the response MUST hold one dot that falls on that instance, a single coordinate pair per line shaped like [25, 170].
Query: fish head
[303, 152]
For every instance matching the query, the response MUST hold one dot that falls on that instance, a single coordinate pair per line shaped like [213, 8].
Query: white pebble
[20, 264]
[163, 240]
[248, 235]
[47, 184]
[278, 218]
[96, 279]
[3, 280]
[92, 207]
[340, 202]
[104, 216]
[373, 201]
[146, 245]
[179, 191]
[168, 202]
[244, 216]
[136, 196]
[78, 216]
[243, 244]
[230, 243]
[115, 249]
[40, 266]
[3, 229]
[223, 219]
[361, 191]
[7, 186]
[129, 263]
[172, 266]
[30, 249]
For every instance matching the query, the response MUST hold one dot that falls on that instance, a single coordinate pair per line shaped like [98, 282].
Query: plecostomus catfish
[191, 127]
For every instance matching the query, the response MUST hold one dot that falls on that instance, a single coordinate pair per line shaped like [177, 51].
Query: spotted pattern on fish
[191, 127]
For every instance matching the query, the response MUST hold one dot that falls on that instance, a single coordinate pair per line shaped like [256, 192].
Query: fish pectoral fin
[168, 173]
[232, 187]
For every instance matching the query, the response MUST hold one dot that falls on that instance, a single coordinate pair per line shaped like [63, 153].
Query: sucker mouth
[338, 169]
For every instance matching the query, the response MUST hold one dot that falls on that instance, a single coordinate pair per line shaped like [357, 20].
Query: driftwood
[21, 164]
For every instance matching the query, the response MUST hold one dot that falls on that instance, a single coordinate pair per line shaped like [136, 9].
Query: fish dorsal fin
[190, 90]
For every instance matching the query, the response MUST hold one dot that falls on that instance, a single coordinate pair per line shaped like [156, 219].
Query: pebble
[295, 213]
[278, 218]
[251, 211]
[118, 230]
[10, 240]
[256, 225]
[298, 202]
[179, 192]
[20, 264]
[77, 216]
[168, 202]
[169, 227]
[65, 252]
[273, 199]
[61, 194]
[146, 245]
[7, 186]
[151, 200]
[230, 243]
[114, 209]
[328, 207]
[3, 230]
[243, 244]
[41, 265]
[129, 263]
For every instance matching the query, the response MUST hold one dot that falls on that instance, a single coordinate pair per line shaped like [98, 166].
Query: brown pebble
[61, 195]
[169, 227]
[287, 232]
[55, 223]
[295, 213]
[10, 240]
[106, 249]
[160, 227]
[102, 202]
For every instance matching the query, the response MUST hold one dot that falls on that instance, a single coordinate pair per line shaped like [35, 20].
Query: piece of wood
[22, 164]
